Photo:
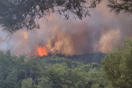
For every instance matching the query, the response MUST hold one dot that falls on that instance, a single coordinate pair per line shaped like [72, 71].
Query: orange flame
[42, 51]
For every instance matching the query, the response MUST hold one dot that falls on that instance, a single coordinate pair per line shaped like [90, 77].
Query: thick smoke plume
[101, 32]
[61, 43]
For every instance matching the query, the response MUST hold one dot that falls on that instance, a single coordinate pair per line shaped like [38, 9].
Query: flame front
[42, 51]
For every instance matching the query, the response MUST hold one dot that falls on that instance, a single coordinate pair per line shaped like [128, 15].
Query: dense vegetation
[115, 71]
[56, 72]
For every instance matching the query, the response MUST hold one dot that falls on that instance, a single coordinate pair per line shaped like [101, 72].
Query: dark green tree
[11, 79]
[8, 71]
[13, 70]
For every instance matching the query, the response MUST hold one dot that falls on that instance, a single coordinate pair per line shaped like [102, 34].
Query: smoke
[61, 43]
[108, 40]
[101, 32]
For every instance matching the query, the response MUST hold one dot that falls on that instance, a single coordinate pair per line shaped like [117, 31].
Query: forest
[114, 71]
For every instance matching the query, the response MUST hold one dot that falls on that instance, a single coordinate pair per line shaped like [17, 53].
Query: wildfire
[42, 51]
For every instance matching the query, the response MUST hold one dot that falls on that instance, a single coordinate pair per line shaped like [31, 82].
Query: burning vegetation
[42, 51]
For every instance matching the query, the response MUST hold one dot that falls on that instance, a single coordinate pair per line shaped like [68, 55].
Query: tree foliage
[121, 6]
[27, 83]
[16, 14]
[21, 72]
[117, 67]
[60, 76]
[15, 69]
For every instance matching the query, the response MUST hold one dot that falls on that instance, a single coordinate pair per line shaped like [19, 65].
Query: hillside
[85, 58]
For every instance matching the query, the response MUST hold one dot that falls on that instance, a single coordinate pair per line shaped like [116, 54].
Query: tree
[27, 83]
[16, 14]
[121, 5]
[11, 80]
[60, 76]
[13, 70]
[21, 72]
[8, 71]
[117, 67]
